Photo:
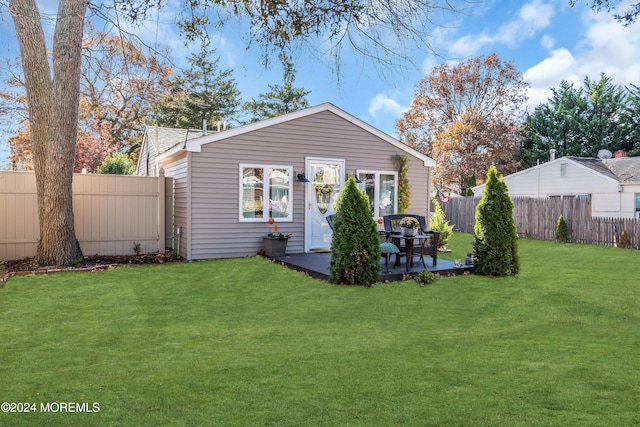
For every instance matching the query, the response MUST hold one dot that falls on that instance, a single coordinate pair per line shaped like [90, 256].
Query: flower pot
[274, 247]
[409, 231]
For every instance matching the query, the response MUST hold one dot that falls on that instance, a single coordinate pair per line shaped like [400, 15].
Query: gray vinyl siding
[147, 160]
[177, 168]
[216, 231]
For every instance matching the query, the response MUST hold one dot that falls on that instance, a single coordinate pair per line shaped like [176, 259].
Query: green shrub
[562, 232]
[496, 240]
[438, 222]
[404, 191]
[117, 164]
[355, 247]
[425, 277]
[624, 242]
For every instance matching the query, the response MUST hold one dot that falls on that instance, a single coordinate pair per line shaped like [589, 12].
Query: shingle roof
[627, 169]
[624, 169]
[170, 137]
[596, 165]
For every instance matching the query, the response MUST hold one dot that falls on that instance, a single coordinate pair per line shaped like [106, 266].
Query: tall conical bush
[496, 239]
[355, 246]
[562, 231]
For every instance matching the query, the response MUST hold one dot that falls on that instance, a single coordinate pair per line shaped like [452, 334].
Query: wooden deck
[317, 265]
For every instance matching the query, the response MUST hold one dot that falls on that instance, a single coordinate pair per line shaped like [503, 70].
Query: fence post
[161, 215]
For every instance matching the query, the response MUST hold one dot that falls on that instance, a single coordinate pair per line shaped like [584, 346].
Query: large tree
[582, 121]
[201, 92]
[281, 99]
[119, 82]
[385, 30]
[466, 117]
[52, 96]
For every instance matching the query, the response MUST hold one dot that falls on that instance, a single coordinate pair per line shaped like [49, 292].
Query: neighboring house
[228, 184]
[158, 140]
[612, 185]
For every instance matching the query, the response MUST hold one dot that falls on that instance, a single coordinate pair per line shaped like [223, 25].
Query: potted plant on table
[275, 243]
[409, 226]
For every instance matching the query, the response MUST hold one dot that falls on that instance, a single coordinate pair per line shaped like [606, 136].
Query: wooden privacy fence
[111, 213]
[536, 218]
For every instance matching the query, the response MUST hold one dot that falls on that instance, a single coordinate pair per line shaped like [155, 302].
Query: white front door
[326, 178]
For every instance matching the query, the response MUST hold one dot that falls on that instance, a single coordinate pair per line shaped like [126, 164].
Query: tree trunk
[53, 117]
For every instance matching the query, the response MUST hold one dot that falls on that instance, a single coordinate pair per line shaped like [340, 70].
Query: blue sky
[548, 41]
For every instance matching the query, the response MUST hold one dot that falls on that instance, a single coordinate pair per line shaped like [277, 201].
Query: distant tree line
[472, 115]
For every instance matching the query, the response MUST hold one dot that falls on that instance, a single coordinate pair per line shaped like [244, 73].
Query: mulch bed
[90, 263]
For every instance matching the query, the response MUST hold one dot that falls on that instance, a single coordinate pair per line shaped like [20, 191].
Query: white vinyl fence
[111, 212]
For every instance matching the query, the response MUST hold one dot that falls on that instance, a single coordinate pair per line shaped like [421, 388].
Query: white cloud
[385, 110]
[382, 104]
[607, 46]
[549, 73]
[611, 48]
[532, 18]
[548, 42]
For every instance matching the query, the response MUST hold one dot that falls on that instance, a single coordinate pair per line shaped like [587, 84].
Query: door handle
[309, 205]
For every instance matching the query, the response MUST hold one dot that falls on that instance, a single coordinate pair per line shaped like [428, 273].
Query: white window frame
[265, 191]
[376, 202]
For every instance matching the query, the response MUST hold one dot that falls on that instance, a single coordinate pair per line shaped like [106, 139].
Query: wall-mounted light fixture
[300, 177]
[355, 175]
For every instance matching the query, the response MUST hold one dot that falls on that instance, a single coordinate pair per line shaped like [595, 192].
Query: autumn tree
[93, 146]
[582, 121]
[281, 99]
[384, 30]
[466, 117]
[119, 83]
[201, 92]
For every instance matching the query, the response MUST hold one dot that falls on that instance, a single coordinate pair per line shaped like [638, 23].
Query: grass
[247, 342]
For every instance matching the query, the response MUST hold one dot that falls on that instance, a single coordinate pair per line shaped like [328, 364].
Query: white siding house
[228, 184]
[612, 185]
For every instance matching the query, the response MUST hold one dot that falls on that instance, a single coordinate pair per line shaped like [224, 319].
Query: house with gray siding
[229, 183]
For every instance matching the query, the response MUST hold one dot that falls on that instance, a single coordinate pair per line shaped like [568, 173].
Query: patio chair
[428, 246]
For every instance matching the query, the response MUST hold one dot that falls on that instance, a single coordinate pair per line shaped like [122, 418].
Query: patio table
[410, 243]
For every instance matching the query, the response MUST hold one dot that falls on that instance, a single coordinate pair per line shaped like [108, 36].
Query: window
[563, 170]
[265, 192]
[637, 202]
[382, 189]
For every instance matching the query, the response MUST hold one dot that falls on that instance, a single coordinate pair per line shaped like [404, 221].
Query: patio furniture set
[405, 244]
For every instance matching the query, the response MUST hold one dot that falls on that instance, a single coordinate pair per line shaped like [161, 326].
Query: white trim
[376, 201]
[265, 192]
[195, 144]
[308, 193]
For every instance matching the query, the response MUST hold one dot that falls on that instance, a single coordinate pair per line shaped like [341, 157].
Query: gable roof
[597, 165]
[195, 144]
[164, 138]
[624, 170]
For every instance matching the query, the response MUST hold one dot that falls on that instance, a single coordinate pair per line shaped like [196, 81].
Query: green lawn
[247, 342]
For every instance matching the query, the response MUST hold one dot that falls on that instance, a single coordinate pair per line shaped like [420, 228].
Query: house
[612, 184]
[228, 184]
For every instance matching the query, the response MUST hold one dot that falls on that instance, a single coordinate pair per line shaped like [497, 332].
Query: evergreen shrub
[355, 246]
[496, 240]
[562, 232]
[438, 222]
